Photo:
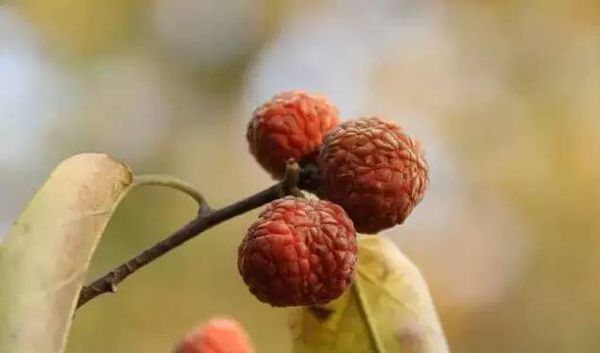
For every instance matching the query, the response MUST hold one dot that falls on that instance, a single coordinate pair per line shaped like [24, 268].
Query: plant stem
[205, 219]
[174, 183]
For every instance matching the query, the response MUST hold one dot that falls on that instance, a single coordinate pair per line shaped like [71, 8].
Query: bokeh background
[504, 95]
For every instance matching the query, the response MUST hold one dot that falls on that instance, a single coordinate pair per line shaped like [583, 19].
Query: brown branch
[306, 179]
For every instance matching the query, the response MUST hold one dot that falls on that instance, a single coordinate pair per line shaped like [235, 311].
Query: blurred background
[504, 95]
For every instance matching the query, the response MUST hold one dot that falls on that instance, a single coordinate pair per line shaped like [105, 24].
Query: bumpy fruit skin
[220, 335]
[298, 252]
[374, 170]
[291, 125]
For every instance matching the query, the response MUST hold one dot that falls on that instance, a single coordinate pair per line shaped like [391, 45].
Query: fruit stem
[289, 185]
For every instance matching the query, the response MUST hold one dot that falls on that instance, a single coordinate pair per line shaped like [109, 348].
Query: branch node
[204, 209]
[111, 282]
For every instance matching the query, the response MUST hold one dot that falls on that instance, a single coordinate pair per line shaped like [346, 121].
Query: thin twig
[207, 219]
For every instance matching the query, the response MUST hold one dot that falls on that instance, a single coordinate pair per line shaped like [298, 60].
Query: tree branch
[295, 178]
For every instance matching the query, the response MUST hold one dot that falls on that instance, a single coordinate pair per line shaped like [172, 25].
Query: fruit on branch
[219, 335]
[291, 125]
[298, 252]
[374, 170]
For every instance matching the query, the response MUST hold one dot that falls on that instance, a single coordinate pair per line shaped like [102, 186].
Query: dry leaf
[46, 253]
[388, 309]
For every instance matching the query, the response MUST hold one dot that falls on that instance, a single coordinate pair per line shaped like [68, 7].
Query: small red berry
[298, 252]
[291, 125]
[374, 170]
[220, 335]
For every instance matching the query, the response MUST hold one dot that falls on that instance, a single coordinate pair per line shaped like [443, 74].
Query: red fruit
[220, 335]
[298, 252]
[374, 170]
[290, 125]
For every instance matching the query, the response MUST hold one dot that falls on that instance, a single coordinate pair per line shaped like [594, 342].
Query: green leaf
[388, 309]
[45, 256]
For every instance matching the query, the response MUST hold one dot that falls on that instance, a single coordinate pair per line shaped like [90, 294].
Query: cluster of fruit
[302, 251]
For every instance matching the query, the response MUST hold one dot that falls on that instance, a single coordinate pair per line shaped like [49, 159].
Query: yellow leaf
[45, 255]
[388, 309]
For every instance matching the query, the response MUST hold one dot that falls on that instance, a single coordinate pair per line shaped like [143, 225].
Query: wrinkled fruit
[298, 252]
[291, 125]
[374, 170]
[221, 335]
